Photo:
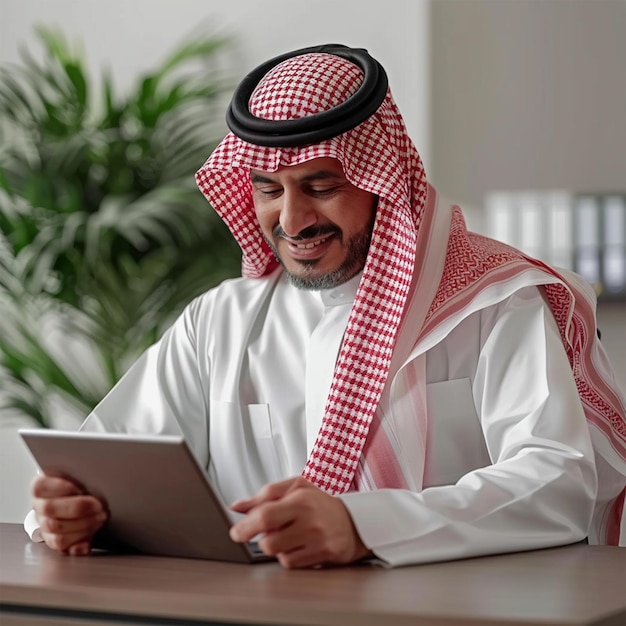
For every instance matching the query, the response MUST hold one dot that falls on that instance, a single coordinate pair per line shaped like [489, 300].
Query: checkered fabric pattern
[377, 156]
[328, 84]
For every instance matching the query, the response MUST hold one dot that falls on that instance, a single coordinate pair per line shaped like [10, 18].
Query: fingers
[284, 541]
[263, 518]
[305, 540]
[80, 548]
[73, 537]
[272, 491]
[68, 518]
[66, 523]
[303, 557]
[45, 486]
[293, 548]
[76, 526]
[61, 498]
[305, 527]
[67, 508]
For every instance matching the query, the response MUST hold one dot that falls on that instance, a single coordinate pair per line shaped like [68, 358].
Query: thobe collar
[343, 294]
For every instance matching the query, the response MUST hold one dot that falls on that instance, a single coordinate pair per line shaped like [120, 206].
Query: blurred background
[518, 109]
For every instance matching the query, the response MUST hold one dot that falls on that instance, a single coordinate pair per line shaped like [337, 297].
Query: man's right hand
[68, 518]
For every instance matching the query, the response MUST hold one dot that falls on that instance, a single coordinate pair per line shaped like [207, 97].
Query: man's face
[317, 223]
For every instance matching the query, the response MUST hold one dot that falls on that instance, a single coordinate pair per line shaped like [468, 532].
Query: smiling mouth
[307, 250]
[308, 246]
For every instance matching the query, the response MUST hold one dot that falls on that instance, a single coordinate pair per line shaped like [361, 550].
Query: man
[381, 382]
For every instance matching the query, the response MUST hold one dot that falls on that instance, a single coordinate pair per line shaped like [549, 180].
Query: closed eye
[323, 191]
[268, 190]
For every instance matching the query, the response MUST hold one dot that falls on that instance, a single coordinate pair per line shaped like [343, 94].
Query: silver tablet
[159, 497]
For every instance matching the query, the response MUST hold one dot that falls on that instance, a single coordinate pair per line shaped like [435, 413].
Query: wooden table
[572, 585]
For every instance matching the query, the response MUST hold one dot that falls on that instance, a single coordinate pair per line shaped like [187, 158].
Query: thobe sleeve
[540, 487]
[164, 392]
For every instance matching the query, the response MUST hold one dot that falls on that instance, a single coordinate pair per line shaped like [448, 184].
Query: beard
[357, 248]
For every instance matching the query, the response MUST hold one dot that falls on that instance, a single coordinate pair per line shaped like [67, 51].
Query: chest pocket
[244, 448]
[455, 444]
[268, 442]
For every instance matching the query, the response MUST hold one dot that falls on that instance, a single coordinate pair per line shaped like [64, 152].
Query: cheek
[361, 217]
[266, 217]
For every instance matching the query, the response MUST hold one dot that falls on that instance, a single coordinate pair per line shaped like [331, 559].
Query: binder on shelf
[584, 232]
[587, 257]
[600, 245]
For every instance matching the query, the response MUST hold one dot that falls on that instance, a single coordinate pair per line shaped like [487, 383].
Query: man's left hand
[299, 524]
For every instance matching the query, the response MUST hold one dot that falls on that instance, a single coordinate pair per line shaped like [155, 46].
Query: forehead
[319, 167]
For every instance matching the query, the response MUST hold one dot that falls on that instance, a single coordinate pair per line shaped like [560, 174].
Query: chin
[315, 281]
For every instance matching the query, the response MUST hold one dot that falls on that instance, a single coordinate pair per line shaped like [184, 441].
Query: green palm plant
[104, 235]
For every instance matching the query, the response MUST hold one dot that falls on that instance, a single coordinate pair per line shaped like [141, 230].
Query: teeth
[307, 246]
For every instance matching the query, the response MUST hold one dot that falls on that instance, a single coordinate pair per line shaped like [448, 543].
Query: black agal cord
[313, 128]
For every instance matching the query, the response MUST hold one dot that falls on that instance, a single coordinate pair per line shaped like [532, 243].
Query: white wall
[131, 35]
[528, 94]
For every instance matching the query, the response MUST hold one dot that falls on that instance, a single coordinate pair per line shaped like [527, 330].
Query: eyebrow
[318, 175]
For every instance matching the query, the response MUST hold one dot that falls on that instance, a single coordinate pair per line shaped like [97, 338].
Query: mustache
[308, 233]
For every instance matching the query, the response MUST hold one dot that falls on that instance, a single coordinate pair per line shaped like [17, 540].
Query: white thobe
[509, 463]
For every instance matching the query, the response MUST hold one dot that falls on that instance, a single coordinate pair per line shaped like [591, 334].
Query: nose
[296, 213]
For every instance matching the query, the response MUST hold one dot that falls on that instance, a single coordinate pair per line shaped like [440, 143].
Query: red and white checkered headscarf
[377, 156]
